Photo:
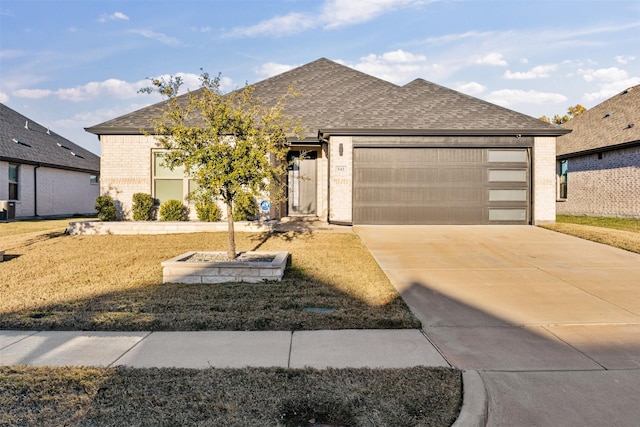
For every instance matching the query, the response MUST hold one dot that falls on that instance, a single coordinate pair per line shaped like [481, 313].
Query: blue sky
[74, 64]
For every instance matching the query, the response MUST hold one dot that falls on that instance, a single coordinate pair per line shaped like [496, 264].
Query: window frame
[14, 184]
[563, 179]
[175, 175]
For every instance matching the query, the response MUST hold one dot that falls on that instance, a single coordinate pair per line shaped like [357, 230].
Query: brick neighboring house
[42, 173]
[599, 161]
[374, 153]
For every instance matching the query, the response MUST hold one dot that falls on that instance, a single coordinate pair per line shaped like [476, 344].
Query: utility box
[7, 210]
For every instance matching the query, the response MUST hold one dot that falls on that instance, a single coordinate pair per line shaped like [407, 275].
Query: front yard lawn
[113, 282]
[623, 233]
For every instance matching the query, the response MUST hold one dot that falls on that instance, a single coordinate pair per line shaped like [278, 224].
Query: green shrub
[208, 211]
[143, 207]
[173, 210]
[245, 208]
[105, 208]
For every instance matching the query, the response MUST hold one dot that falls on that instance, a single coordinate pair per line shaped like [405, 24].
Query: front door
[301, 183]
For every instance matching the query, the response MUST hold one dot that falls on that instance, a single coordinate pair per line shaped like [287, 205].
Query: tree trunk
[231, 246]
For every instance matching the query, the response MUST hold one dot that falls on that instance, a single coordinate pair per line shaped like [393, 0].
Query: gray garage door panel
[440, 186]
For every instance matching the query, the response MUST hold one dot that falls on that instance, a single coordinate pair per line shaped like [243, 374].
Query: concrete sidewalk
[223, 349]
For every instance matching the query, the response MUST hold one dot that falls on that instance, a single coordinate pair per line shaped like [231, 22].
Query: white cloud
[332, 14]
[280, 25]
[162, 38]
[511, 97]
[32, 93]
[492, 58]
[201, 29]
[339, 13]
[470, 88]
[608, 90]
[116, 89]
[398, 66]
[271, 69]
[539, 72]
[118, 16]
[625, 59]
[603, 74]
[4, 98]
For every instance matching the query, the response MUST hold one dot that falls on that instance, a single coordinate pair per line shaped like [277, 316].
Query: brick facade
[60, 192]
[125, 167]
[603, 184]
[544, 180]
[341, 179]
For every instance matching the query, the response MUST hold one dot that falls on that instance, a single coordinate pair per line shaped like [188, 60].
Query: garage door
[441, 186]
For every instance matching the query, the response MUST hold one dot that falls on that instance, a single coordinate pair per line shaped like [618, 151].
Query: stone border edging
[162, 227]
[474, 411]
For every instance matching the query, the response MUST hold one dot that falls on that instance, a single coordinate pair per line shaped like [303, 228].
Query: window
[94, 179]
[508, 156]
[167, 184]
[564, 168]
[14, 180]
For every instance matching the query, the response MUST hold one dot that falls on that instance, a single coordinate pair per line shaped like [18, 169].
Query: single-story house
[43, 173]
[375, 153]
[599, 161]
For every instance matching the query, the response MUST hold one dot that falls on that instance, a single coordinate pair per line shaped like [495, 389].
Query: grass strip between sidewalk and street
[229, 397]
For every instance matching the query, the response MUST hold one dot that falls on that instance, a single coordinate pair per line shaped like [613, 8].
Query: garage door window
[498, 175]
[507, 214]
[508, 195]
[507, 156]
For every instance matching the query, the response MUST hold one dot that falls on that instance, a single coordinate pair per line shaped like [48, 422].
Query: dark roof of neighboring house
[615, 123]
[25, 141]
[335, 98]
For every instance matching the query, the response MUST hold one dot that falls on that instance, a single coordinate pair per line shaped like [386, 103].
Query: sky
[73, 64]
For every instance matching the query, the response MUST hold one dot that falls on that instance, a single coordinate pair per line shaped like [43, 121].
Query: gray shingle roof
[614, 122]
[338, 98]
[36, 146]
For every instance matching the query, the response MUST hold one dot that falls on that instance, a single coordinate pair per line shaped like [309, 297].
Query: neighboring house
[373, 153]
[599, 161]
[42, 173]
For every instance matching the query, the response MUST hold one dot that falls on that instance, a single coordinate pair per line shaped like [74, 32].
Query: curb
[474, 402]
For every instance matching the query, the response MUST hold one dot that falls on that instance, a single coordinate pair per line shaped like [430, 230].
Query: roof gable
[335, 97]
[23, 140]
[614, 122]
[426, 106]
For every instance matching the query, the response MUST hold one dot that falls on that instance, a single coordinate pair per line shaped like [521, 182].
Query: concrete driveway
[551, 322]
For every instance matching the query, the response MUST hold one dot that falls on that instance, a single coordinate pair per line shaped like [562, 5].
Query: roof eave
[441, 132]
[599, 150]
[104, 130]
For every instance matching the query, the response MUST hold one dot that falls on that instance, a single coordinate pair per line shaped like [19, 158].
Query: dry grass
[111, 282]
[616, 232]
[217, 397]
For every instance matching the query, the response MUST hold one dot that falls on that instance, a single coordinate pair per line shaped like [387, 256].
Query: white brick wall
[609, 186]
[60, 192]
[125, 168]
[544, 180]
[341, 178]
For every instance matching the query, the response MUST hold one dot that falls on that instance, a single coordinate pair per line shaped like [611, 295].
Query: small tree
[230, 144]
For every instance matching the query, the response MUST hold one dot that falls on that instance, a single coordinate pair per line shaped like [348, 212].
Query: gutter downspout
[35, 190]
